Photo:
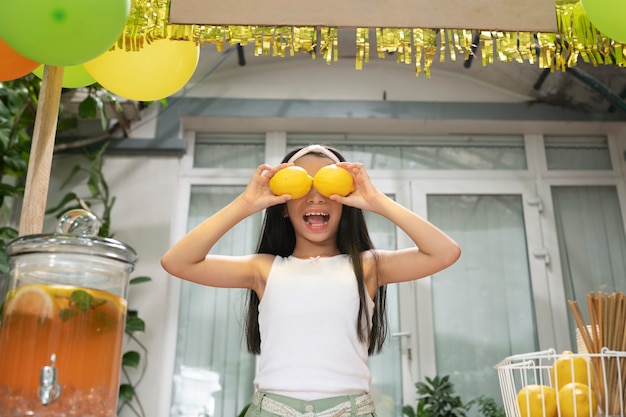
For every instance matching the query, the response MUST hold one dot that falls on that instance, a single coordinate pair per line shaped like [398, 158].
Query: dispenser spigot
[49, 387]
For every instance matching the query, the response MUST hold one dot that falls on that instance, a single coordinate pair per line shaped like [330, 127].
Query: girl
[316, 306]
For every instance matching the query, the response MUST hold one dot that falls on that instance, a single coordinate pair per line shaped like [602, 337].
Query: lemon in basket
[331, 179]
[577, 400]
[537, 401]
[292, 180]
[569, 368]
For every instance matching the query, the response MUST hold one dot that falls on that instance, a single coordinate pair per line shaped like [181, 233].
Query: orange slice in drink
[32, 300]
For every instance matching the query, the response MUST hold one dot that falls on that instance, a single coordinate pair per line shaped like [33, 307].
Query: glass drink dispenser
[62, 321]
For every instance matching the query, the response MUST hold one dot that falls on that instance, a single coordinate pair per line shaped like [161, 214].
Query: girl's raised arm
[189, 258]
[434, 249]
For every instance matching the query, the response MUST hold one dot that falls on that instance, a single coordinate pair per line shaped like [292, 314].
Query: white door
[492, 303]
[389, 368]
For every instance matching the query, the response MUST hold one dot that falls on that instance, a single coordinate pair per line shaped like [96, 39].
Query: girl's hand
[257, 194]
[365, 196]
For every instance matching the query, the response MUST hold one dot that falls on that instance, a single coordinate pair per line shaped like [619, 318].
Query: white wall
[301, 77]
[142, 217]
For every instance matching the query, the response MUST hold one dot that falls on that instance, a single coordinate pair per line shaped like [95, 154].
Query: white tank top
[307, 319]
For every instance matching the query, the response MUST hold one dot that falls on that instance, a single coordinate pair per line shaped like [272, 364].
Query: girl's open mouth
[316, 219]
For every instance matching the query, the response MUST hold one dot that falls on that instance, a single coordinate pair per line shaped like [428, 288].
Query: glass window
[592, 244]
[577, 153]
[386, 367]
[491, 280]
[213, 369]
[447, 152]
[228, 150]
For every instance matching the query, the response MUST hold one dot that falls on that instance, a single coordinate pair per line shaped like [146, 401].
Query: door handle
[542, 253]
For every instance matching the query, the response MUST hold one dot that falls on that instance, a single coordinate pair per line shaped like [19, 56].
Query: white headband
[314, 149]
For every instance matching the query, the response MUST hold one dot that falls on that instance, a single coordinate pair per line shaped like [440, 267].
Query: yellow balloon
[156, 71]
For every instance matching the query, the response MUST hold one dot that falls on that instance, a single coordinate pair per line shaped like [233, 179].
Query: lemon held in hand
[332, 179]
[537, 401]
[292, 180]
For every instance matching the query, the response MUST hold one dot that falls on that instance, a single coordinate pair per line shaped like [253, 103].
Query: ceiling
[584, 87]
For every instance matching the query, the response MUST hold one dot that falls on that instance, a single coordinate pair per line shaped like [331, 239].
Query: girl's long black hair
[278, 238]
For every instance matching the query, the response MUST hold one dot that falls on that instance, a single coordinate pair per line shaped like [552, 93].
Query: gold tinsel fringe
[575, 38]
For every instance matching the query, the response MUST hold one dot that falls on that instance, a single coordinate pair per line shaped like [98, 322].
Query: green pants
[272, 405]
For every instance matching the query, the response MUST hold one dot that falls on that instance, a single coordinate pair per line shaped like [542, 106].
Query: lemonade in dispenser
[62, 318]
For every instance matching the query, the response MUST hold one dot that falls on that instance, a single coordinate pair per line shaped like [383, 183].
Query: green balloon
[74, 76]
[608, 16]
[62, 32]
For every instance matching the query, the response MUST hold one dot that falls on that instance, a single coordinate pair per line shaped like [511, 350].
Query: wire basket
[605, 376]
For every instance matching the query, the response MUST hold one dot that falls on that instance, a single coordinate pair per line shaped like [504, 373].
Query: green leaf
[11, 191]
[408, 411]
[244, 411]
[14, 165]
[88, 108]
[62, 206]
[104, 120]
[131, 358]
[75, 170]
[8, 233]
[82, 299]
[135, 324]
[127, 392]
[139, 280]
[4, 263]
[67, 123]
[93, 184]
[66, 313]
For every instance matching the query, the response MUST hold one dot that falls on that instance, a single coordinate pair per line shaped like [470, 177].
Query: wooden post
[42, 147]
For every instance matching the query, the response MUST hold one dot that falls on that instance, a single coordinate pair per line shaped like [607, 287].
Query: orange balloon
[12, 64]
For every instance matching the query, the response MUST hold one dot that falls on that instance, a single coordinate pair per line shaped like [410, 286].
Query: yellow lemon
[332, 179]
[577, 400]
[31, 300]
[292, 180]
[537, 401]
[569, 368]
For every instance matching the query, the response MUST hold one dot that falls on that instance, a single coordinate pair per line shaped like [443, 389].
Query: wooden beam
[490, 15]
[40, 162]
